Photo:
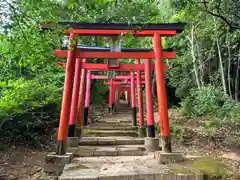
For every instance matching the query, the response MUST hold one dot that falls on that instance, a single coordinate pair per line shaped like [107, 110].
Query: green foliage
[27, 107]
[211, 101]
[18, 97]
[207, 100]
[99, 92]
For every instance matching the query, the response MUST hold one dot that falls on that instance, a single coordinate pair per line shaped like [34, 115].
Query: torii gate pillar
[67, 96]
[133, 101]
[75, 97]
[87, 98]
[110, 105]
[161, 95]
[81, 102]
[141, 128]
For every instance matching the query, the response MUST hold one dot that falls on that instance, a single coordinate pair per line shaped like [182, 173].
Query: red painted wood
[115, 55]
[161, 89]
[81, 96]
[140, 100]
[88, 90]
[148, 87]
[133, 95]
[115, 78]
[110, 94]
[75, 95]
[68, 86]
[103, 67]
[100, 32]
[121, 83]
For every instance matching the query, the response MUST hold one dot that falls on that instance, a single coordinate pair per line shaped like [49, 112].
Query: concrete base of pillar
[72, 141]
[54, 163]
[168, 158]
[151, 144]
[78, 132]
[142, 132]
[165, 143]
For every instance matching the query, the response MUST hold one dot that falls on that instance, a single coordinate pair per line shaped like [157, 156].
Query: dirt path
[20, 163]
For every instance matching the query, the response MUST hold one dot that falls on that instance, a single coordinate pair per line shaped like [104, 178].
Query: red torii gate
[111, 96]
[153, 30]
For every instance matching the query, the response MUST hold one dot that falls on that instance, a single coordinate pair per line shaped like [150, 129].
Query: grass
[77, 168]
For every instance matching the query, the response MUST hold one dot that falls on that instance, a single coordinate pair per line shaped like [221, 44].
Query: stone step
[104, 141]
[117, 150]
[110, 125]
[99, 127]
[102, 133]
[124, 112]
[125, 167]
[115, 121]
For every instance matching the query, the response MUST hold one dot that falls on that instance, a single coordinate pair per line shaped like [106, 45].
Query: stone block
[151, 144]
[105, 151]
[126, 141]
[119, 177]
[54, 163]
[142, 132]
[72, 142]
[164, 177]
[129, 152]
[199, 177]
[79, 172]
[82, 151]
[139, 153]
[78, 132]
[145, 177]
[139, 140]
[87, 142]
[189, 177]
[168, 158]
[107, 142]
[46, 176]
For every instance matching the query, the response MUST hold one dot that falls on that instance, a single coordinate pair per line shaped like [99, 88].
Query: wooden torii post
[93, 29]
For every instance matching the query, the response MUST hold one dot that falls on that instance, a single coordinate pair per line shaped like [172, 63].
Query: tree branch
[204, 2]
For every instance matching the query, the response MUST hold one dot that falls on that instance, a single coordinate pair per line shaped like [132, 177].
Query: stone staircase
[111, 150]
[111, 136]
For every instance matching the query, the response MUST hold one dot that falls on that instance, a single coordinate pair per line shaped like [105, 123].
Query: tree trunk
[228, 42]
[221, 66]
[201, 64]
[220, 61]
[237, 78]
[195, 69]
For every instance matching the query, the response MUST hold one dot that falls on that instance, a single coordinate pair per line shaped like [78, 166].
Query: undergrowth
[28, 110]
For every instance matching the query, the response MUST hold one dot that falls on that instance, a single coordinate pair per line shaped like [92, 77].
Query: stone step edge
[78, 152]
[150, 174]
[111, 142]
[110, 128]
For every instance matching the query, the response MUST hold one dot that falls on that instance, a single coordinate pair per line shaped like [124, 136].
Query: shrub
[212, 101]
[27, 108]
[205, 101]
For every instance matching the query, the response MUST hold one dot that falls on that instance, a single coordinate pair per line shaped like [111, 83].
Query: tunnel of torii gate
[78, 75]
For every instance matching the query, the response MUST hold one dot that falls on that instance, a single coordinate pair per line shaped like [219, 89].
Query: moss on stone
[181, 170]
[89, 131]
[210, 167]
[77, 168]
